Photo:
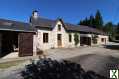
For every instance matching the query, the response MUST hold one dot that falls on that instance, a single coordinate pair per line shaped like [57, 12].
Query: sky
[71, 11]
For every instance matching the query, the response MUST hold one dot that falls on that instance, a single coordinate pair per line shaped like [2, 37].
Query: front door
[59, 40]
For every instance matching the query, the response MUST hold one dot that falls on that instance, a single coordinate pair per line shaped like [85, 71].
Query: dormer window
[59, 27]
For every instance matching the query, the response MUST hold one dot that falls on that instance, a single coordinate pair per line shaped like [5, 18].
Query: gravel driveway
[64, 53]
[97, 58]
[98, 63]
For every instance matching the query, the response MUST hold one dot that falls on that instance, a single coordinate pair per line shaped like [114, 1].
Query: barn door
[25, 44]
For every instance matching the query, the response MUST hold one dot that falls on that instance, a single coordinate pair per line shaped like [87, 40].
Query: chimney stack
[35, 14]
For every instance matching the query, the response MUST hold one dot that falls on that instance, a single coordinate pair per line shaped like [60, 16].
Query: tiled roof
[83, 28]
[42, 22]
[15, 26]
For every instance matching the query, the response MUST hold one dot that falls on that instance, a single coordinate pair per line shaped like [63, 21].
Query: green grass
[10, 64]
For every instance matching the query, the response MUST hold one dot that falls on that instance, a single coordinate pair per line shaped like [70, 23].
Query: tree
[81, 22]
[98, 20]
[117, 29]
[84, 22]
[110, 30]
[76, 39]
[92, 21]
[117, 32]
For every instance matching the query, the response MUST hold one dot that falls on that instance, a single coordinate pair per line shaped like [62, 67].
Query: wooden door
[59, 40]
[25, 41]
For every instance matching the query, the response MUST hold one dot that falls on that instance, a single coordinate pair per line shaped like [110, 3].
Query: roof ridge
[8, 20]
[56, 20]
[46, 19]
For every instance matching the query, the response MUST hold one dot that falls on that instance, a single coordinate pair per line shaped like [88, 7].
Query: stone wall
[52, 38]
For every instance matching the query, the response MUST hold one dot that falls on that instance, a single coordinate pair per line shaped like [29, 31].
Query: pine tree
[86, 21]
[117, 32]
[98, 20]
[81, 22]
[117, 29]
[109, 28]
[92, 21]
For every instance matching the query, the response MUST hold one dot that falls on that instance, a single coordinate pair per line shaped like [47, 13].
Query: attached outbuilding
[16, 37]
[92, 36]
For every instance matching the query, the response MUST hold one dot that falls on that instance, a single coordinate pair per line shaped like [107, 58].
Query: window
[70, 38]
[59, 37]
[59, 27]
[45, 37]
[102, 39]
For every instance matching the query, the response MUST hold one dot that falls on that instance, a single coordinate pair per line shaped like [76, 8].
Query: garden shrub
[76, 39]
[52, 69]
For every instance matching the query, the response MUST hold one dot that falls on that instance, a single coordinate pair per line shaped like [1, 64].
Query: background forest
[97, 22]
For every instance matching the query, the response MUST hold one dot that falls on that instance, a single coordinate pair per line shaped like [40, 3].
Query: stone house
[58, 34]
[41, 34]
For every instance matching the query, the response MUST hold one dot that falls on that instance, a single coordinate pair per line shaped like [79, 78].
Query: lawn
[10, 64]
